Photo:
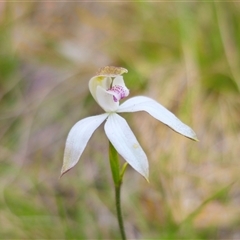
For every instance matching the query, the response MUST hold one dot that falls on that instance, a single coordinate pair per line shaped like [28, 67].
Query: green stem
[119, 212]
[117, 178]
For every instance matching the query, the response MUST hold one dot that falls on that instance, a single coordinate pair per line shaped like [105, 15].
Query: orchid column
[108, 88]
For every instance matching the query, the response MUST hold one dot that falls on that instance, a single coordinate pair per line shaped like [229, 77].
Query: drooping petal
[105, 100]
[124, 141]
[159, 112]
[78, 138]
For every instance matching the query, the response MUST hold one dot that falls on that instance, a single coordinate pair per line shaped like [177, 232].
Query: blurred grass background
[184, 55]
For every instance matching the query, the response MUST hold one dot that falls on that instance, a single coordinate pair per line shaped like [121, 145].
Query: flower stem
[119, 212]
[117, 178]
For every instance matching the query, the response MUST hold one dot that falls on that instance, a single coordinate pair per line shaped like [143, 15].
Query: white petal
[103, 81]
[78, 138]
[118, 81]
[124, 141]
[105, 100]
[159, 112]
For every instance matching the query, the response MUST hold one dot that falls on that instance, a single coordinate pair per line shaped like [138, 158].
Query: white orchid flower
[108, 88]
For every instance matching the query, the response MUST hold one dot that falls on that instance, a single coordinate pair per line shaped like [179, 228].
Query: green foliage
[220, 84]
[186, 55]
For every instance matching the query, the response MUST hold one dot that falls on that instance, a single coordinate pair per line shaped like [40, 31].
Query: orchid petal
[118, 81]
[105, 100]
[124, 141]
[159, 112]
[78, 138]
[103, 81]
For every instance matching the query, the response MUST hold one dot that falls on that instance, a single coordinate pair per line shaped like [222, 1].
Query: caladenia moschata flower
[108, 88]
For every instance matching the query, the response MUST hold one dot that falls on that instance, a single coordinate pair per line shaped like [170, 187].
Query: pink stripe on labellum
[118, 92]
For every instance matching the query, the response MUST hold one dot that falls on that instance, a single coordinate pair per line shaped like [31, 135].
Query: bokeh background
[184, 55]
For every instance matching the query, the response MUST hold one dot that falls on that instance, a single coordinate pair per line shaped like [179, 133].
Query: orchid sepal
[78, 138]
[156, 110]
[125, 142]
